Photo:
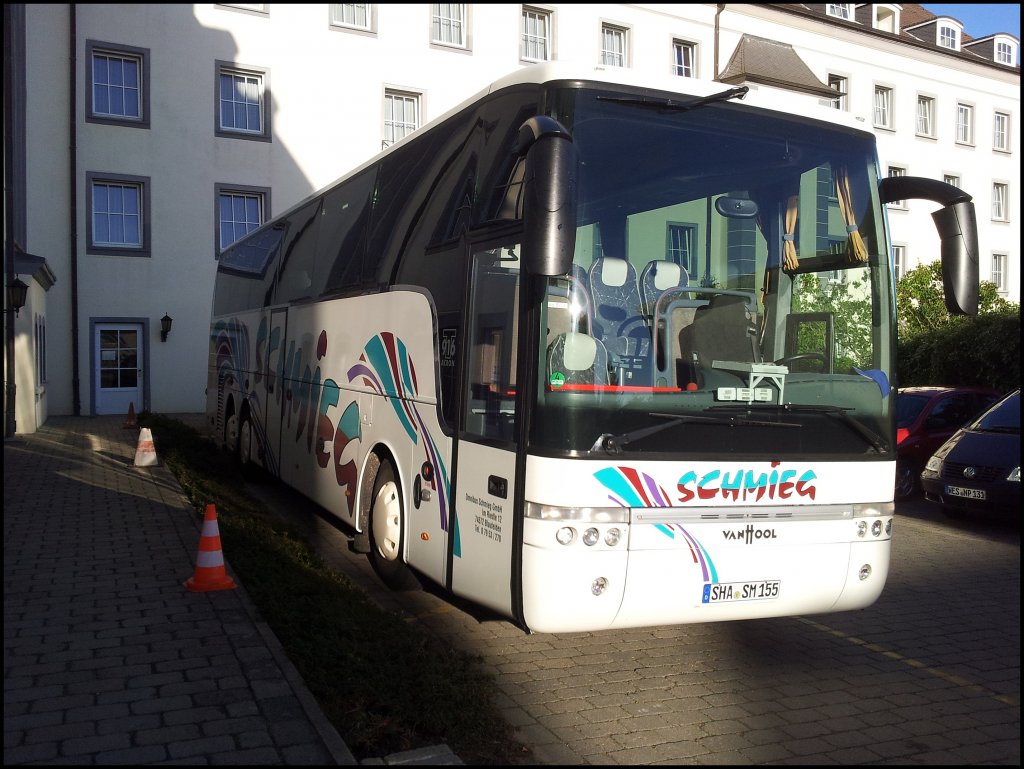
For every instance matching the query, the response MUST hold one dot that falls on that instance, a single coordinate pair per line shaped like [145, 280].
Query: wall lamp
[17, 293]
[165, 326]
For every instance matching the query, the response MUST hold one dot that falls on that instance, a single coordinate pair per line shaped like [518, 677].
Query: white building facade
[143, 138]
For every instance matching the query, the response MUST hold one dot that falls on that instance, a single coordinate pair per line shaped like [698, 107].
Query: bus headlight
[862, 528]
[565, 535]
[876, 528]
[865, 572]
[598, 586]
[590, 536]
[612, 537]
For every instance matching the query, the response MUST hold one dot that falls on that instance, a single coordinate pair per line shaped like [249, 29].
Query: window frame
[623, 32]
[242, 190]
[889, 93]
[109, 248]
[953, 36]
[682, 44]
[899, 260]
[1003, 47]
[370, 28]
[997, 270]
[549, 40]
[1003, 117]
[893, 171]
[964, 108]
[142, 57]
[842, 11]
[840, 101]
[465, 22]
[411, 94]
[930, 101]
[222, 67]
[1000, 202]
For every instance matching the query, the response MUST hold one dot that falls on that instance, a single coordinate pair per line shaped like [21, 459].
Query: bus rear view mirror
[958, 233]
[736, 208]
[549, 190]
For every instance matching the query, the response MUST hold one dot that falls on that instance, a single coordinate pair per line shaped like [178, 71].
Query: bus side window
[298, 252]
[490, 402]
[341, 241]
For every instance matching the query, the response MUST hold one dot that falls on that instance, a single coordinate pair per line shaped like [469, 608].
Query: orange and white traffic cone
[145, 449]
[130, 421]
[210, 573]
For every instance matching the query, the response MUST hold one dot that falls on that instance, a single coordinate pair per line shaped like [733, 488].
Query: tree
[920, 306]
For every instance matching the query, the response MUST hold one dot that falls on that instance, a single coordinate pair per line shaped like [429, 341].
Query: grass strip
[384, 684]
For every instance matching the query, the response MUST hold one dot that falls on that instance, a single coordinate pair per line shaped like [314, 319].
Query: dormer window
[840, 10]
[886, 18]
[948, 36]
[1004, 53]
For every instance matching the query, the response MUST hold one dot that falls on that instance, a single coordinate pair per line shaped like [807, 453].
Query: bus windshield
[731, 290]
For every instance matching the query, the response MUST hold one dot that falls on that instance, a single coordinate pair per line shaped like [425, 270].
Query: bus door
[274, 388]
[482, 533]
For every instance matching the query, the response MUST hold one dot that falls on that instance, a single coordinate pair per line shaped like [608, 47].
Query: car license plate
[960, 491]
[726, 592]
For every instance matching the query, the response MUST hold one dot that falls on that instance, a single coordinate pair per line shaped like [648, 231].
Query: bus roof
[793, 104]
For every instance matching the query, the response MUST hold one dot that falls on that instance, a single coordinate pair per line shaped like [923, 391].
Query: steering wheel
[820, 357]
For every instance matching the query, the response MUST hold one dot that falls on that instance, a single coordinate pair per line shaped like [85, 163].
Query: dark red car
[925, 418]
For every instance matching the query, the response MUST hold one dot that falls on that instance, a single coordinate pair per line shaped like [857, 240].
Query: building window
[838, 84]
[999, 271]
[118, 85]
[1001, 132]
[883, 107]
[964, 124]
[899, 259]
[886, 19]
[240, 210]
[925, 116]
[684, 59]
[613, 46]
[118, 214]
[1004, 53]
[401, 115]
[949, 37]
[1000, 201]
[448, 24]
[681, 246]
[897, 171]
[242, 102]
[536, 42]
[839, 11]
[951, 179]
[352, 15]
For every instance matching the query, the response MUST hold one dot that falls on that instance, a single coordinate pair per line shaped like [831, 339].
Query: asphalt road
[930, 674]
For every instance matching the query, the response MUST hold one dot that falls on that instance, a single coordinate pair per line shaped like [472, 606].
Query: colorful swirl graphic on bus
[385, 367]
[631, 488]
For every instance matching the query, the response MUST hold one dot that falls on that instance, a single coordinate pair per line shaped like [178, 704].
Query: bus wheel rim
[244, 449]
[387, 521]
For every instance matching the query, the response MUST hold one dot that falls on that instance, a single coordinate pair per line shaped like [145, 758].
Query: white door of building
[118, 357]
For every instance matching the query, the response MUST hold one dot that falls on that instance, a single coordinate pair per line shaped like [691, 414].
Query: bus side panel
[482, 563]
[359, 375]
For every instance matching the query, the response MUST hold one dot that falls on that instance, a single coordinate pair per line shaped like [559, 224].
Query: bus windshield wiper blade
[673, 106]
[613, 443]
[876, 441]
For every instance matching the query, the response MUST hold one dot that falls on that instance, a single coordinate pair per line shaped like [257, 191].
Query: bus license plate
[960, 491]
[726, 592]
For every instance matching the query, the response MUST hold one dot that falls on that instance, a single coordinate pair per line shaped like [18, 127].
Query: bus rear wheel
[387, 531]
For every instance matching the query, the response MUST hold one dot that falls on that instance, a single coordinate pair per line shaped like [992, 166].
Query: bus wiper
[667, 105]
[613, 443]
[876, 441]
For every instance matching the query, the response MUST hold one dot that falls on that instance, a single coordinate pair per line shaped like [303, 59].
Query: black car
[978, 469]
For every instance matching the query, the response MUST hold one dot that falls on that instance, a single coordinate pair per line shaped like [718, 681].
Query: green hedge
[979, 350]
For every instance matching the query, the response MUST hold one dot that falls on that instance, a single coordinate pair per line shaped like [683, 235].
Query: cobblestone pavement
[107, 657]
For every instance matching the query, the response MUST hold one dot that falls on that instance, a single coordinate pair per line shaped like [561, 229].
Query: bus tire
[387, 531]
[245, 439]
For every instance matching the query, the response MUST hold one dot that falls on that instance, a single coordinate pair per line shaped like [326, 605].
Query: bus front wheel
[387, 523]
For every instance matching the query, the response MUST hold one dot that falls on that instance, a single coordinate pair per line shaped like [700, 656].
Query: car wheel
[906, 480]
